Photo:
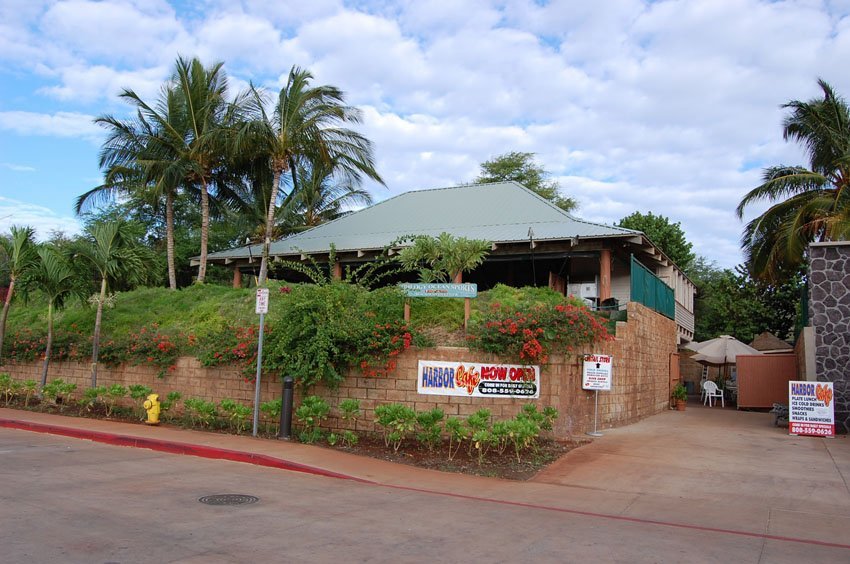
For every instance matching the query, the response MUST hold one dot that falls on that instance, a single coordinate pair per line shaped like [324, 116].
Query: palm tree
[307, 124]
[179, 141]
[201, 147]
[115, 255]
[20, 258]
[321, 197]
[443, 258]
[138, 162]
[56, 279]
[811, 204]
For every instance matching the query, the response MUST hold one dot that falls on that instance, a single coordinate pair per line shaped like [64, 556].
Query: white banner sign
[478, 380]
[596, 374]
[811, 410]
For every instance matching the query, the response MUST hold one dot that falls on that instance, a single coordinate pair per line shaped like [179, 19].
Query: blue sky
[669, 107]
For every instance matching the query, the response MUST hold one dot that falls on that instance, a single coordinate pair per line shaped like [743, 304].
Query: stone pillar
[336, 271]
[829, 314]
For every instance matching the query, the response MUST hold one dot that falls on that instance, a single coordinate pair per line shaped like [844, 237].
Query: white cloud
[667, 106]
[45, 221]
[17, 167]
[246, 41]
[114, 31]
[60, 124]
[89, 83]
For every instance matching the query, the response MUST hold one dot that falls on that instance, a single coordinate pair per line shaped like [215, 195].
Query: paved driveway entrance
[724, 468]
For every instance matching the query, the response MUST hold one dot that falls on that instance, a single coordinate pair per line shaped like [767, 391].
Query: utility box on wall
[589, 290]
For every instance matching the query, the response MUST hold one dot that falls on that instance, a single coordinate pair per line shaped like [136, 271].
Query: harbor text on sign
[475, 379]
[811, 409]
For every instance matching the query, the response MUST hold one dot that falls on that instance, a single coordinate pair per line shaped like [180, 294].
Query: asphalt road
[69, 500]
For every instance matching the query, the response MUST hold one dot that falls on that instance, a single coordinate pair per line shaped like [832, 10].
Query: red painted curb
[174, 447]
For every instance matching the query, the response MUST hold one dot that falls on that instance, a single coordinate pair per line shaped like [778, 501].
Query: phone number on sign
[808, 430]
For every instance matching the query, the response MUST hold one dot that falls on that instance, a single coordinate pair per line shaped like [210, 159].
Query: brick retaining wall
[641, 354]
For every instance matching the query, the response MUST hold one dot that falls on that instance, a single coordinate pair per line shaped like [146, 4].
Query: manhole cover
[229, 499]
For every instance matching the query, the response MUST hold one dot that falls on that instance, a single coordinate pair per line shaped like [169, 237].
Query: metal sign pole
[595, 433]
[259, 371]
[262, 307]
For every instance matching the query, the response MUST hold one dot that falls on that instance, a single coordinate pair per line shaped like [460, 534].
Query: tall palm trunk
[267, 239]
[205, 230]
[169, 239]
[95, 346]
[5, 314]
[49, 344]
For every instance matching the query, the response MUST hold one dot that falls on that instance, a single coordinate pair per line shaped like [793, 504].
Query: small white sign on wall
[596, 374]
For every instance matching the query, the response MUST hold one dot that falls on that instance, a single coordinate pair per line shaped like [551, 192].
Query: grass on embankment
[205, 309]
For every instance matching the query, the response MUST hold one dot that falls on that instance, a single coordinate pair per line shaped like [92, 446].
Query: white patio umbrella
[722, 350]
[693, 346]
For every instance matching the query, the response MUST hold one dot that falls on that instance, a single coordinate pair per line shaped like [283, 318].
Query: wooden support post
[237, 278]
[467, 307]
[337, 271]
[407, 311]
[604, 275]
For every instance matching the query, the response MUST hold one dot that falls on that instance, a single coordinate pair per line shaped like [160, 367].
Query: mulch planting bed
[494, 465]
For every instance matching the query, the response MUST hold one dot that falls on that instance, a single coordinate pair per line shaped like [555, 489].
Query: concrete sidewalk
[722, 471]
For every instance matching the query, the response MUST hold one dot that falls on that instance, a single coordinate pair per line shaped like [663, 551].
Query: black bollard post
[286, 410]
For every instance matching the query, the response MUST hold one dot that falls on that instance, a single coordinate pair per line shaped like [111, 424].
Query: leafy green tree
[150, 226]
[522, 168]
[307, 124]
[116, 256]
[19, 258]
[443, 258]
[56, 279]
[732, 302]
[669, 237]
[808, 204]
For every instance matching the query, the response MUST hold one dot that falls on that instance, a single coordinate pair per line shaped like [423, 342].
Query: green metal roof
[502, 212]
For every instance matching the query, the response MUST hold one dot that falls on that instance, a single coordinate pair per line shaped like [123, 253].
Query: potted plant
[680, 396]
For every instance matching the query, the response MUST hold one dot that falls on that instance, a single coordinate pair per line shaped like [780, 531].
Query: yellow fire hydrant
[151, 405]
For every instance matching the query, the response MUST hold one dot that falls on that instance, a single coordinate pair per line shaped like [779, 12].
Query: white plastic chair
[702, 383]
[711, 392]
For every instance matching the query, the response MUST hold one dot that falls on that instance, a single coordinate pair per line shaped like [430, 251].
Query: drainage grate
[228, 499]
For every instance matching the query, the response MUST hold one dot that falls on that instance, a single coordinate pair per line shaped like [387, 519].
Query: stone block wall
[829, 315]
[189, 378]
[641, 381]
[690, 370]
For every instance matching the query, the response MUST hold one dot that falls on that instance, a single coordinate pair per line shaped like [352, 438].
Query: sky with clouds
[671, 107]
